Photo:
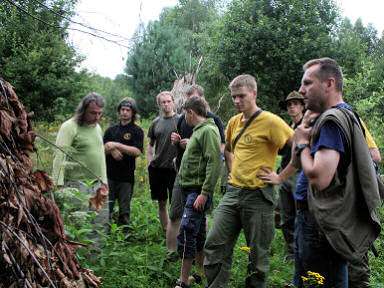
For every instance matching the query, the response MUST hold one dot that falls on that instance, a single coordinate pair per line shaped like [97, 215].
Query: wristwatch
[299, 148]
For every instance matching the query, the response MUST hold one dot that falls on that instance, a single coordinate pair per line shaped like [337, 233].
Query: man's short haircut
[328, 68]
[131, 103]
[194, 88]
[197, 104]
[83, 105]
[244, 80]
[162, 94]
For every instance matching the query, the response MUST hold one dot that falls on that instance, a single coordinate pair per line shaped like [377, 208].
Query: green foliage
[77, 218]
[136, 259]
[364, 92]
[35, 58]
[270, 40]
[191, 16]
[152, 64]
[168, 47]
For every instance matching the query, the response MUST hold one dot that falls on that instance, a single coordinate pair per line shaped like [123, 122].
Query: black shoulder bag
[245, 127]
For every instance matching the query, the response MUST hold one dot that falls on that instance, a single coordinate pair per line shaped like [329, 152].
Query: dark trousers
[192, 233]
[314, 253]
[358, 275]
[122, 192]
[288, 211]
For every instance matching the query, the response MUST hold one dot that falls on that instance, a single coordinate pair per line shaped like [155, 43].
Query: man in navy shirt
[321, 86]
[123, 142]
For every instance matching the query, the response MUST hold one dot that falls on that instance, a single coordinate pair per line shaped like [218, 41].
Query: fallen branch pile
[35, 251]
[182, 82]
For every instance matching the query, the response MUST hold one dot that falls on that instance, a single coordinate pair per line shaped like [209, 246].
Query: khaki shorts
[177, 208]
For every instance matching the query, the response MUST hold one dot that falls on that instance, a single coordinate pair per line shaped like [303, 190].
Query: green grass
[137, 262]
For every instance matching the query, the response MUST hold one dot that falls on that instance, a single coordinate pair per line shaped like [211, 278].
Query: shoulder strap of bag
[353, 116]
[257, 113]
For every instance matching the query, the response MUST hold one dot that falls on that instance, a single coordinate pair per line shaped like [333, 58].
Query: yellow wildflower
[246, 249]
[141, 179]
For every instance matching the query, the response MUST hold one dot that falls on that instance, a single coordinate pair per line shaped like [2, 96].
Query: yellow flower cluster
[246, 249]
[313, 279]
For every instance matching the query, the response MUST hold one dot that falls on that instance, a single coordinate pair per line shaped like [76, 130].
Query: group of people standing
[184, 157]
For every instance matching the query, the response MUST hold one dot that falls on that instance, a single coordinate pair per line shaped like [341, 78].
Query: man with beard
[336, 222]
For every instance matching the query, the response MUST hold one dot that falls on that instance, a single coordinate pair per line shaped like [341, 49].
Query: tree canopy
[268, 39]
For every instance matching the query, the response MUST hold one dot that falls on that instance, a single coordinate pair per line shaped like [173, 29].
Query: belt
[302, 205]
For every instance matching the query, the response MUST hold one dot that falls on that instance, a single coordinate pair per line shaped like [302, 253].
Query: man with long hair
[82, 137]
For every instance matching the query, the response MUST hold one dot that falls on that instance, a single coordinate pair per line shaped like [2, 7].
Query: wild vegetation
[136, 260]
[268, 39]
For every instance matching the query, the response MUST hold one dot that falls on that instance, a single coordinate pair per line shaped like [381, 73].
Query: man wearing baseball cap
[294, 104]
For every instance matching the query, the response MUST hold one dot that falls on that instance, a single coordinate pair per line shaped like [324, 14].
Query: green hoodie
[201, 163]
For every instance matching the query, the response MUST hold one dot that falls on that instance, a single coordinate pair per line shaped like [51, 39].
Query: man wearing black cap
[294, 103]
[123, 142]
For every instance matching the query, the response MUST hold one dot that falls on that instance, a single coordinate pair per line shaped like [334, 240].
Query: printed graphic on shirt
[127, 136]
[248, 139]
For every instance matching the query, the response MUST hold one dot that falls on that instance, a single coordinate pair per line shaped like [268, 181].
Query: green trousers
[288, 210]
[358, 275]
[252, 211]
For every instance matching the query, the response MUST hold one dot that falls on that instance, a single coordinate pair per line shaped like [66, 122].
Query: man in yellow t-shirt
[248, 202]
[373, 149]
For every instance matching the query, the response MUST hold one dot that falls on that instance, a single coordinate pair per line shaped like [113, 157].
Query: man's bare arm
[125, 149]
[150, 153]
[271, 177]
[321, 169]
[228, 155]
[222, 147]
[375, 153]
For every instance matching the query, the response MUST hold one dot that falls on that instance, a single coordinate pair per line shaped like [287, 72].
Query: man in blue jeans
[199, 172]
[327, 156]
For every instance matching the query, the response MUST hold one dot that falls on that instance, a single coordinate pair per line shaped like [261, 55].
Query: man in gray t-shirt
[161, 172]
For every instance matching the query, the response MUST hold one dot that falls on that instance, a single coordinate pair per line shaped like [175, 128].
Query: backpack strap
[257, 113]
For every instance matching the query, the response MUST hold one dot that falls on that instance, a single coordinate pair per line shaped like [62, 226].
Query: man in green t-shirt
[82, 137]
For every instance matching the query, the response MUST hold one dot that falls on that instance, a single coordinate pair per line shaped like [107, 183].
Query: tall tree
[35, 57]
[270, 40]
[168, 46]
[153, 62]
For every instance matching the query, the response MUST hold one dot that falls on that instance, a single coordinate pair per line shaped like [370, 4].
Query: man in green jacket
[199, 171]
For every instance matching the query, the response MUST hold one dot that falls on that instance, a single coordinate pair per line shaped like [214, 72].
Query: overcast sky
[122, 17]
